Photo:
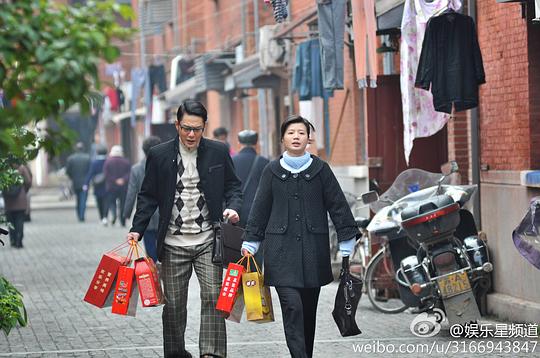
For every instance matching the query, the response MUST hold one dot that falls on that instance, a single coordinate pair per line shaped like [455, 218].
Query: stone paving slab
[55, 267]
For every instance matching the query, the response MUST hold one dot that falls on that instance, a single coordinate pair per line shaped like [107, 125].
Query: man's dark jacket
[243, 163]
[451, 62]
[218, 182]
[290, 214]
[76, 169]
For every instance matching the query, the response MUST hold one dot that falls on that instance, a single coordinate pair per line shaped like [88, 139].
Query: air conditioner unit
[273, 52]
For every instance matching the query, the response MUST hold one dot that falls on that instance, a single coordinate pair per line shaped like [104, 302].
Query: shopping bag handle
[241, 261]
[124, 244]
[345, 266]
[251, 257]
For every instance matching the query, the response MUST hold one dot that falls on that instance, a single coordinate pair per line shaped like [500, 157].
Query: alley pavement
[58, 261]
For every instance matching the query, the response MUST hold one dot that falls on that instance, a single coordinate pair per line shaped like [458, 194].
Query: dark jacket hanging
[451, 62]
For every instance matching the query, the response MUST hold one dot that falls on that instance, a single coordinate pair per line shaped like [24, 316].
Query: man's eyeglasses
[187, 129]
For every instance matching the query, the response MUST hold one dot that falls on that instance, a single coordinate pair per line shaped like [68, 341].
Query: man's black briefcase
[227, 244]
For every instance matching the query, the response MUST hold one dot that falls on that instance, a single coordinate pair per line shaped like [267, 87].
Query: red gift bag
[229, 289]
[99, 292]
[124, 301]
[148, 281]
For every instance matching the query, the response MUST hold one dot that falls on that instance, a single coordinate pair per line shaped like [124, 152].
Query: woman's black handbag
[347, 299]
[227, 244]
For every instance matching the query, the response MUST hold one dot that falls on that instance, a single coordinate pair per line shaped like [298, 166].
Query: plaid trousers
[177, 266]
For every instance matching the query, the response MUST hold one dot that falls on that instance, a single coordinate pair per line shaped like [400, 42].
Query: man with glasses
[190, 179]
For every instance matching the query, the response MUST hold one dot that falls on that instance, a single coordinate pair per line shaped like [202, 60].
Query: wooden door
[385, 136]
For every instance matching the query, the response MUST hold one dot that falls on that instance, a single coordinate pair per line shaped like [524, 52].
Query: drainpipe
[256, 23]
[244, 15]
[475, 145]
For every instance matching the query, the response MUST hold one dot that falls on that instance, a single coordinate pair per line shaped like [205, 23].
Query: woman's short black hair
[195, 108]
[295, 119]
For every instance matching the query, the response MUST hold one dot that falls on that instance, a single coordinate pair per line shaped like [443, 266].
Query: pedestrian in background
[289, 215]
[221, 134]
[116, 170]
[191, 179]
[134, 186]
[16, 205]
[96, 176]
[249, 167]
[77, 167]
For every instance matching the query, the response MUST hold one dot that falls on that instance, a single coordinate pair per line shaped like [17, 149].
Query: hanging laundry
[121, 98]
[451, 62]
[313, 110]
[331, 16]
[113, 98]
[157, 78]
[419, 117]
[307, 76]
[365, 42]
[138, 79]
[280, 10]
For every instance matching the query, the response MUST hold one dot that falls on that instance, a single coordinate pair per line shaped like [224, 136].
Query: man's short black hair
[195, 108]
[219, 131]
[149, 143]
[295, 119]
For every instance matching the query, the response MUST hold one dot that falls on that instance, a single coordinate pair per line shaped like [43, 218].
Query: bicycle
[380, 282]
[377, 271]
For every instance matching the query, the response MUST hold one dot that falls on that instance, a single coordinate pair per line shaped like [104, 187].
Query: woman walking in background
[116, 170]
[16, 205]
[289, 215]
[97, 178]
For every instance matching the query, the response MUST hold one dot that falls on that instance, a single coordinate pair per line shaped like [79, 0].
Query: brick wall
[504, 99]
[533, 33]
[459, 136]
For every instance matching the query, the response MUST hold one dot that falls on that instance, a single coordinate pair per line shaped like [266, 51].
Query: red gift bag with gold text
[100, 291]
[229, 289]
[124, 301]
[148, 281]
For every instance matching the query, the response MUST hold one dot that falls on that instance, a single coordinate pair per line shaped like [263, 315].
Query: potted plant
[12, 310]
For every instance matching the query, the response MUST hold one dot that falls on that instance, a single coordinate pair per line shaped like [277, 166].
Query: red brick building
[362, 131]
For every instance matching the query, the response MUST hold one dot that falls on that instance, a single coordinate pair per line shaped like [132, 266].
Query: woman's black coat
[290, 214]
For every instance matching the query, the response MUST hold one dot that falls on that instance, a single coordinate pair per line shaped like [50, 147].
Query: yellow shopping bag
[257, 297]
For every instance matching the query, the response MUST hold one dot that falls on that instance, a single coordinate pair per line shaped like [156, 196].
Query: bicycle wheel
[381, 285]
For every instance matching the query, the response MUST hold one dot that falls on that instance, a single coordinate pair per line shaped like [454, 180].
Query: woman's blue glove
[251, 246]
[347, 247]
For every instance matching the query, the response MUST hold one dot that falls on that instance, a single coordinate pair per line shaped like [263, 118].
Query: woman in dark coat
[289, 215]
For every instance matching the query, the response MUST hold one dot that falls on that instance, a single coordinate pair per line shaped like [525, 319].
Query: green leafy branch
[12, 310]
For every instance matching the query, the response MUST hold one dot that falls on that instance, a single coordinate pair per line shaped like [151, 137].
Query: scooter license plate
[453, 284]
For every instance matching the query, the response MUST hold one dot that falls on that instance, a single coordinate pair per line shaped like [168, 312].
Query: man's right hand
[133, 236]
